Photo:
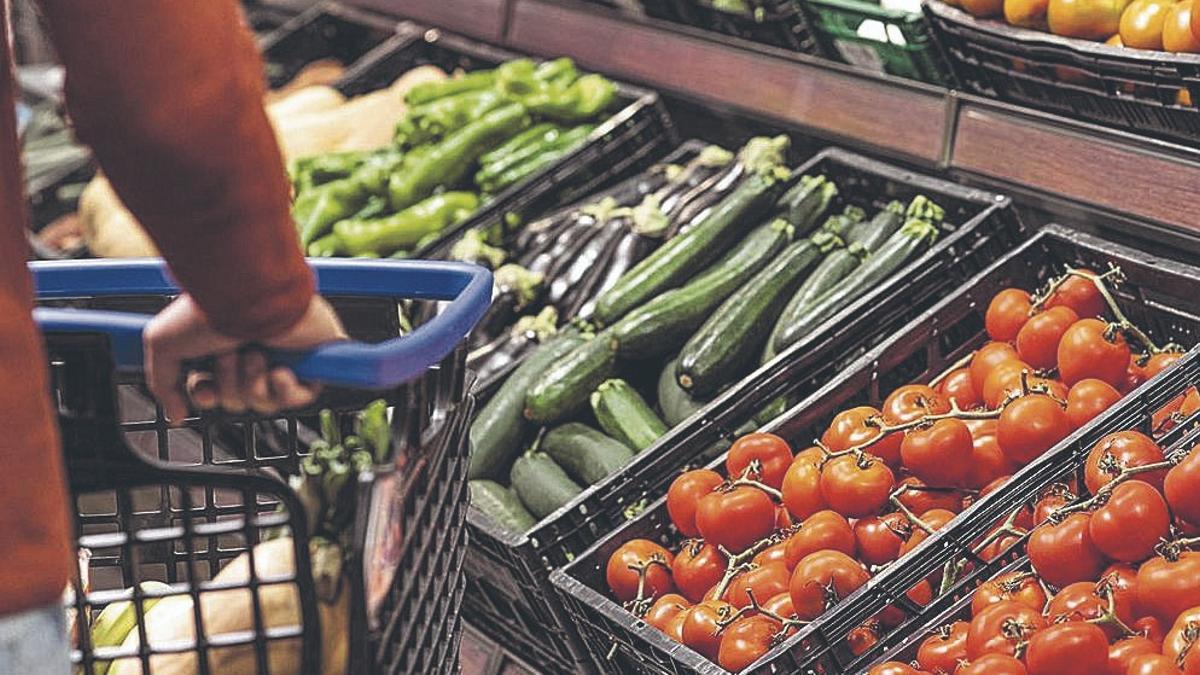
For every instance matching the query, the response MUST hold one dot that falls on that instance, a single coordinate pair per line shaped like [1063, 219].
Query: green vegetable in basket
[316, 210]
[429, 122]
[407, 228]
[429, 91]
[584, 99]
[543, 156]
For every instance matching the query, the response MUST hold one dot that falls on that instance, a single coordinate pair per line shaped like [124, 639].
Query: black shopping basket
[186, 523]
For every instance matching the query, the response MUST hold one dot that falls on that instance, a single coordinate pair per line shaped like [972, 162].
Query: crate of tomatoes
[813, 539]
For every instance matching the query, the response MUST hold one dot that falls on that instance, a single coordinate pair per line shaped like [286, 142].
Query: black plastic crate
[776, 23]
[638, 133]
[1132, 89]
[512, 569]
[327, 30]
[1159, 296]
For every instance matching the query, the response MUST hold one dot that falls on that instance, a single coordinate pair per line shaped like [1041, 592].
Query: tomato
[1070, 648]
[1182, 488]
[1087, 350]
[1160, 362]
[822, 579]
[1030, 426]
[1179, 644]
[1129, 525]
[988, 462]
[772, 554]
[999, 628]
[1118, 451]
[850, 428]
[781, 605]
[674, 629]
[772, 453]
[939, 454]
[1122, 652]
[1177, 35]
[1142, 24]
[1006, 313]
[664, 609]
[736, 518]
[825, 530]
[1087, 399]
[745, 640]
[856, 487]
[763, 582]
[1051, 502]
[893, 615]
[1026, 13]
[1079, 293]
[1064, 553]
[862, 637]
[1152, 664]
[942, 650]
[1000, 544]
[1121, 580]
[701, 628]
[957, 387]
[1081, 601]
[1151, 628]
[1037, 343]
[936, 519]
[879, 538]
[1020, 587]
[893, 668]
[913, 401]
[698, 567]
[1004, 379]
[1165, 587]
[993, 664]
[639, 553]
[684, 493]
[802, 487]
[987, 358]
[920, 500]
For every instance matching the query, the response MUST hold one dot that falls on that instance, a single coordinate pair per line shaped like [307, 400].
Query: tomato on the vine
[879, 538]
[623, 565]
[862, 637]
[1131, 522]
[1070, 648]
[1056, 498]
[999, 628]
[894, 668]
[993, 664]
[1150, 627]
[674, 628]
[761, 582]
[988, 357]
[1166, 587]
[1121, 580]
[1160, 362]
[943, 649]
[781, 605]
[1081, 295]
[1087, 399]
[698, 567]
[856, 487]
[746, 640]
[1182, 488]
[1031, 425]
[683, 495]
[776, 553]
[802, 487]
[702, 627]
[1122, 450]
[1037, 343]
[1006, 313]
[939, 454]
[664, 610]
[822, 579]
[1004, 379]
[919, 497]
[1125, 650]
[1081, 601]
[1090, 349]
[735, 518]
[1019, 587]
[957, 387]
[824, 530]
[1063, 553]
[772, 453]
[988, 462]
[1152, 664]
[935, 519]
[850, 428]
[1180, 643]
[913, 401]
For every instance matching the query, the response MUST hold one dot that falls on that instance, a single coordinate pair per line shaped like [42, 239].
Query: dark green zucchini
[871, 234]
[804, 203]
[834, 267]
[501, 505]
[587, 454]
[664, 323]
[542, 484]
[624, 415]
[564, 388]
[841, 223]
[499, 427]
[729, 341]
[675, 403]
[677, 259]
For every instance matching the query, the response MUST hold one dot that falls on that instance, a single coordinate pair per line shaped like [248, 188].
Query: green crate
[898, 43]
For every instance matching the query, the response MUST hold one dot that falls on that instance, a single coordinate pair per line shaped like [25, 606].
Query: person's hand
[241, 379]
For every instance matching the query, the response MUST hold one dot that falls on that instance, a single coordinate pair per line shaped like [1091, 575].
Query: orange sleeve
[169, 95]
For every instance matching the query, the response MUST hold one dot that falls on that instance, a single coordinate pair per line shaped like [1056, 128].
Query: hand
[241, 379]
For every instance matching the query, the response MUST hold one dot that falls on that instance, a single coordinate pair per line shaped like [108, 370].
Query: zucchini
[675, 403]
[541, 484]
[836, 266]
[734, 335]
[679, 257]
[501, 505]
[564, 388]
[498, 428]
[871, 234]
[587, 455]
[806, 201]
[664, 323]
[624, 415]
[895, 252]
[841, 223]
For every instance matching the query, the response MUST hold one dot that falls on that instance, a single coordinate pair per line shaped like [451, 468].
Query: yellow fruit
[1142, 24]
[1086, 19]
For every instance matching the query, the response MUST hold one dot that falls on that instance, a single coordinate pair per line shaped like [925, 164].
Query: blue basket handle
[345, 364]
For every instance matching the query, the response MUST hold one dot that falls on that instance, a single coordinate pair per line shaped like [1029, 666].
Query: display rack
[485, 19]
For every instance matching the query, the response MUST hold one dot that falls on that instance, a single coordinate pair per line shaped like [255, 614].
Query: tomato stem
[1110, 618]
[1007, 527]
[738, 563]
[1106, 490]
[894, 498]
[955, 413]
[641, 604]
[1116, 276]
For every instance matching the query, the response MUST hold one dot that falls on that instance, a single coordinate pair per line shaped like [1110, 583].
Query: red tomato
[1179, 644]
[1081, 601]
[850, 428]
[825, 530]
[698, 567]
[939, 454]
[957, 386]
[1122, 652]
[1087, 399]
[735, 519]
[1037, 343]
[1000, 544]
[879, 538]
[1051, 502]
[1131, 522]
[1182, 488]
[942, 650]
[1019, 587]
[701, 628]
[744, 641]
[1160, 362]
[763, 582]
[1064, 553]
[862, 637]
[772, 453]
[1152, 664]
[622, 574]
[893, 615]
[802, 486]
[772, 554]
[822, 579]
[684, 493]
[988, 462]
[1118, 451]
[993, 664]
[1151, 628]
[1070, 648]
[913, 401]
[856, 487]
[1006, 313]
[1004, 379]
[1121, 580]
[919, 500]
[936, 519]
[893, 668]
[1001, 627]
[780, 605]
[1087, 350]
[1079, 294]
[1165, 588]
[674, 629]
[1030, 426]
[988, 357]
[664, 610]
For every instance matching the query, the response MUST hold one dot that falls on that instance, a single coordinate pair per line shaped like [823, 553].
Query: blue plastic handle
[345, 364]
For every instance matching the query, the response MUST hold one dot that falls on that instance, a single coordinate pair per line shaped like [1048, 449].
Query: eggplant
[627, 242]
[511, 346]
[566, 241]
[628, 252]
[514, 288]
[587, 259]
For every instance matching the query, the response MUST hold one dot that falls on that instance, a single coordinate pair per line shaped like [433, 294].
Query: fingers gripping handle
[345, 364]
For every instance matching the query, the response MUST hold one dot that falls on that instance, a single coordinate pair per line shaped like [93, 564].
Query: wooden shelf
[484, 19]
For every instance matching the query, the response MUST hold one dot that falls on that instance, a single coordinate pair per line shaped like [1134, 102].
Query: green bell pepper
[586, 98]
[430, 91]
[383, 236]
[429, 122]
[536, 146]
[527, 137]
[545, 155]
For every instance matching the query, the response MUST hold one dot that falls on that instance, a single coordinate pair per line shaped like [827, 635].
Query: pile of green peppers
[461, 140]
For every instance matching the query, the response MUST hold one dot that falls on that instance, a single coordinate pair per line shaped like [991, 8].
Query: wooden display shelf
[484, 19]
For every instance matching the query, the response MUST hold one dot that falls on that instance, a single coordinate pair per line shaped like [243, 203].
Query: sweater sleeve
[169, 94]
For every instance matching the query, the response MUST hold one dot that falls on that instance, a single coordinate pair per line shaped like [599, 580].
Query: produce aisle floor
[481, 656]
